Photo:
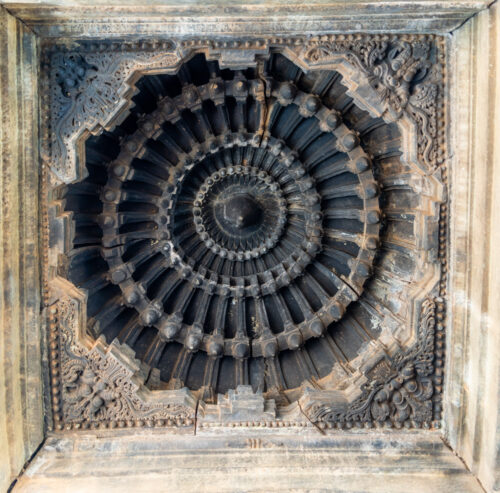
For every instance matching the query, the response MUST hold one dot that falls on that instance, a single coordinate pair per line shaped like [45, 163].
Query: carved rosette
[291, 231]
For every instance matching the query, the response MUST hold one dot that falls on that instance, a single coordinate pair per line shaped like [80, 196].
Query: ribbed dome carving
[228, 224]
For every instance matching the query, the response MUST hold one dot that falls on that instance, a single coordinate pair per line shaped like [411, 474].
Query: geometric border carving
[96, 385]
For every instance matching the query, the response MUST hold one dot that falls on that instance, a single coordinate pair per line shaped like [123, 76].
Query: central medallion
[241, 211]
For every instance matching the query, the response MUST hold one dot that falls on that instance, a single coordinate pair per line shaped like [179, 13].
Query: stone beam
[344, 463]
[21, 414]
[112, 19]
[472, 395]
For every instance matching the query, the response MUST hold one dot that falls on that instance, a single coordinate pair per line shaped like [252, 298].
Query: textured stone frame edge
[381, 394]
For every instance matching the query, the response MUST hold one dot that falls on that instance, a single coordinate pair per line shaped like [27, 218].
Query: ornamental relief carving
[402, 74]
[400, 390]
[100, 385]
[265, 217]
[86, 92]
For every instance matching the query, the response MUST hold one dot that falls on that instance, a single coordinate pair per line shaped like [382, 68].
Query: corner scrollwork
[88, 90]
[399, 392]
[402, 72]
[102, 385]
[87, 394]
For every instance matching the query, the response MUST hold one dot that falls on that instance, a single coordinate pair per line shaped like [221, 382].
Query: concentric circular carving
[239, 217]
[239, 212]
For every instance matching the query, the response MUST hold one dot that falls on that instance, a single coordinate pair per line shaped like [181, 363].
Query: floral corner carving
[405, 73]
[95, 387]
[103, 386]
[399, 391]
[88, 88]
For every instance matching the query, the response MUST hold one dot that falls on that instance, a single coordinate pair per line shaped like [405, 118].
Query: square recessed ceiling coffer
[246, 232]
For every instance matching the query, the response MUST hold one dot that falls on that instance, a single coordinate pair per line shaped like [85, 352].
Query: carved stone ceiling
[246, 232]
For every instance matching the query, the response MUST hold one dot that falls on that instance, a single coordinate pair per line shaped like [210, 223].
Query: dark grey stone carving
[71, 74]
[399, 71]
[260, 226]
[400, 391]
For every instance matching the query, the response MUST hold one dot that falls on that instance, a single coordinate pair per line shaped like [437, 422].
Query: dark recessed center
[242, 211]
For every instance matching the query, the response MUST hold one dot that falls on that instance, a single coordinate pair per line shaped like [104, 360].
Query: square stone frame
[471, 418]
[410, 350]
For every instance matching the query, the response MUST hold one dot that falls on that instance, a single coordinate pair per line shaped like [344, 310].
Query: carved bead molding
[401, 73]
[289, 267]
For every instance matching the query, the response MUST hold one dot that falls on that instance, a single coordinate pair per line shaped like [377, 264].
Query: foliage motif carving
[405, 396]
[86, 393]
[98, 385]
[87, 91]
[402, 74]
[399, 392]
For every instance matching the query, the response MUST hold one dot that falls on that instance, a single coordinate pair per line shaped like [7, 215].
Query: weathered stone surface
[471, 409]
[21, 414]
[106, 19]
[102, 385]
[345, 463]
[240, 404]
[472, 399]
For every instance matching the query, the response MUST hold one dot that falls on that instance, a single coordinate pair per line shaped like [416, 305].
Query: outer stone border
[131, 18]
[88, 87]
[21, 326]
[473, 69]
[374, 461]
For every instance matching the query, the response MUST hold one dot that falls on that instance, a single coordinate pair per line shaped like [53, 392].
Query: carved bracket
[403, 75]
[88, 90]
[400, 391]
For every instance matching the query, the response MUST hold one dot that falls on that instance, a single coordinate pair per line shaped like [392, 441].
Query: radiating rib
[151, 230]
[154, 352]
[181, 368]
